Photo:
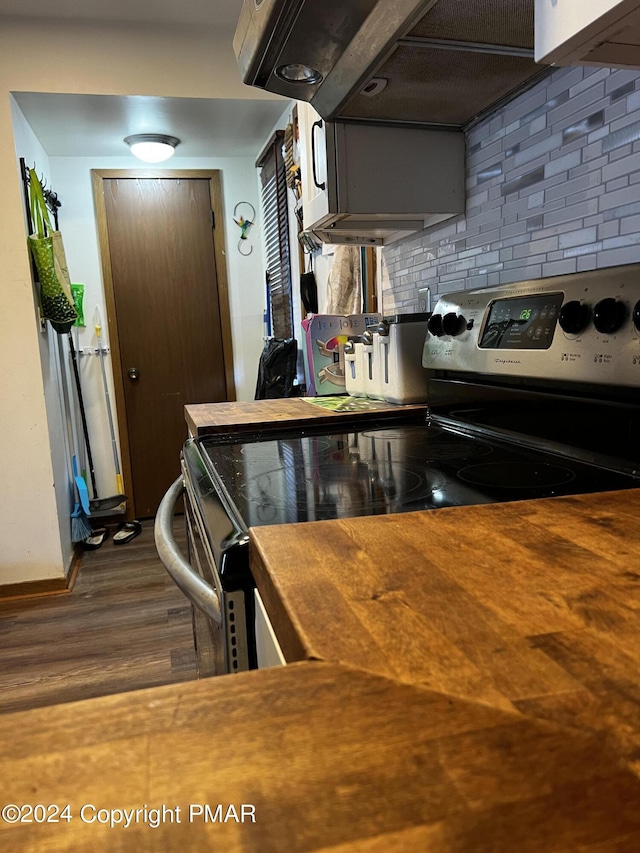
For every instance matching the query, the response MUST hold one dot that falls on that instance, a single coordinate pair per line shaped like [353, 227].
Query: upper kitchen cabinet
[588, 32]
[441, 63]
[373, 184]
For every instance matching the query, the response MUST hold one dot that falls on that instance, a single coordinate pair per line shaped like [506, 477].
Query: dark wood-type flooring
[124, 626]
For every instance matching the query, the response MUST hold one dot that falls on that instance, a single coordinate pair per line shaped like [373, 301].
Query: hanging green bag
[46, 246]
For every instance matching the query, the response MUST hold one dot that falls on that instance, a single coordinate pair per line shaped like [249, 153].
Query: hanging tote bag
[277, 369]
[56, 301]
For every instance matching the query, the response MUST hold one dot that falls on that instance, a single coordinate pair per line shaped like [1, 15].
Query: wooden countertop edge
[390, 760]
[598, 700]
[294, 641]
[160, 702]
[297, 647]
[289, 630]
[201, 418]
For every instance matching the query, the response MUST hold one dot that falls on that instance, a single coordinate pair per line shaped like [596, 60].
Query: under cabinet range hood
[430, 62]
[412, 190]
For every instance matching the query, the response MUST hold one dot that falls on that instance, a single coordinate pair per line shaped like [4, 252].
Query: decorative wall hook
[244, 223]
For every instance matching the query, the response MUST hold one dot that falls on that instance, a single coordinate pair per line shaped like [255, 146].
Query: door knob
[133, 374]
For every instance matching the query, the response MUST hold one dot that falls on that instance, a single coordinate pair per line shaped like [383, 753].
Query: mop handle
[114, 446]
[83, 416]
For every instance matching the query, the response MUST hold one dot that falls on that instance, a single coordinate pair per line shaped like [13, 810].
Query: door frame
[214, 176]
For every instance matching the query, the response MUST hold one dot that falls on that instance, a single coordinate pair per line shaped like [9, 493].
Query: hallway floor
[124, 626]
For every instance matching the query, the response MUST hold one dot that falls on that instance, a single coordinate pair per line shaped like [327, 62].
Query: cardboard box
[324, 337]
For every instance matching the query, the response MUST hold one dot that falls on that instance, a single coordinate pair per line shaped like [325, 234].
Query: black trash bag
[277, 369]
[309, 292]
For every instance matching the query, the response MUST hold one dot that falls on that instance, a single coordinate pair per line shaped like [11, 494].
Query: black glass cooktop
[294, 477]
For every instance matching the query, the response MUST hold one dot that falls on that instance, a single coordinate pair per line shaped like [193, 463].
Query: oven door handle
[199, 593]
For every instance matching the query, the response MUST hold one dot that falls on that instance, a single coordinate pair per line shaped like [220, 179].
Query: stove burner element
[517, 475]
[352, 489]
[425, 433]
[431, 444]
[318, 443]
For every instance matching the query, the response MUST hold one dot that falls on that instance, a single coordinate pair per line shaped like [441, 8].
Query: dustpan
[100, 504]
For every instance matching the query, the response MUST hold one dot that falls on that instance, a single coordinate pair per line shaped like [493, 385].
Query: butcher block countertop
[208, 418]
[309, 757]
[532, 606]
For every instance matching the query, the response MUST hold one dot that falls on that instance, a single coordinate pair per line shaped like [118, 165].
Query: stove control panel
[583, 328]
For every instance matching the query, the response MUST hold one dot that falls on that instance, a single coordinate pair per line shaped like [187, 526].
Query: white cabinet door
[313, 164]
[267, 645]
[591, 32]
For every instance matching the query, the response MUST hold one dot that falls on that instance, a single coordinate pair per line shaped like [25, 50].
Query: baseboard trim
[52, 586]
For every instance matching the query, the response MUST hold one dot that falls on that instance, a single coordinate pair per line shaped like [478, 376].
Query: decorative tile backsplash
[553, 187]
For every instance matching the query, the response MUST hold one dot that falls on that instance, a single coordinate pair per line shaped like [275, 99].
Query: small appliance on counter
[361, 380]
[386, 364]
[353, 367]
[533, 392]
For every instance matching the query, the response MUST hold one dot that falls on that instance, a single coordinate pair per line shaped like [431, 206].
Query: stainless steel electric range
[533, 392]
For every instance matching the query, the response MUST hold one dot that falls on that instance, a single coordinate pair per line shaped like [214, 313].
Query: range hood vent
[430, 62]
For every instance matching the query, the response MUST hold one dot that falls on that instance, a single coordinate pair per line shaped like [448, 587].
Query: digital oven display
[522, 322]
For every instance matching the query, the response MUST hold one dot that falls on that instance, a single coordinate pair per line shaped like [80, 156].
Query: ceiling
[95, 125]
[221, 13]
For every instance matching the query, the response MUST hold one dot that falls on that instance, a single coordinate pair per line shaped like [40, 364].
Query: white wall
[27, 146]
[50, 56]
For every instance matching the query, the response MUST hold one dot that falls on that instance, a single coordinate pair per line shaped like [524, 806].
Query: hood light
[297, 73]
[374, 87]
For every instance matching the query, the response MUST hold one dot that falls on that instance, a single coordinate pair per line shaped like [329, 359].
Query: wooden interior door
[167, 320]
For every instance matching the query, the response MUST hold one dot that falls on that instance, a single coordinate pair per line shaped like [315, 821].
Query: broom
[80, 527]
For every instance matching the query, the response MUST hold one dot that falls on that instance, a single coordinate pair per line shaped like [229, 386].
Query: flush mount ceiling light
[297, 73]
[152, 147]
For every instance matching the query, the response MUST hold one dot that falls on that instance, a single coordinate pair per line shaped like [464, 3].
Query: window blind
[275, 217]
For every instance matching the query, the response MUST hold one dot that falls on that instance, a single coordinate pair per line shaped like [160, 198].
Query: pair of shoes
[98, 535]
[127, 530]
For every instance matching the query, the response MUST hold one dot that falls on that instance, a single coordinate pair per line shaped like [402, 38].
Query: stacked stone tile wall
[553, 187]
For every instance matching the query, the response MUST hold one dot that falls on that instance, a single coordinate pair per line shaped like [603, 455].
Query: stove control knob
[453, 324]
[636, 315]
[435, 325]
[574, 317]
[608, 315]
